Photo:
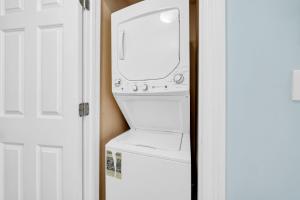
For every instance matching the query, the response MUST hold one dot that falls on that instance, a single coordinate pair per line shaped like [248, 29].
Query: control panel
[177, 81]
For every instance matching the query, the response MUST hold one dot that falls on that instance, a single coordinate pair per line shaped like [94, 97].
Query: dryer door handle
[122, 45]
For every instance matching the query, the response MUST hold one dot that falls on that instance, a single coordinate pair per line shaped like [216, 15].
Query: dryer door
[147, 37]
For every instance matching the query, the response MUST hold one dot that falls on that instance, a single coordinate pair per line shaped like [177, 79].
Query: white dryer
[150, 73]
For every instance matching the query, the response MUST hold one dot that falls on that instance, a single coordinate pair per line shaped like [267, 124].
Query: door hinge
[84, 109]
[85, 4]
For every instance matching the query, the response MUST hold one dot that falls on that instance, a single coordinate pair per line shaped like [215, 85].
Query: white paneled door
[40, 89]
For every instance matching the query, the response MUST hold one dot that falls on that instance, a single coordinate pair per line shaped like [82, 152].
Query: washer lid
[155, 140]
[122, 142]
[148, 45]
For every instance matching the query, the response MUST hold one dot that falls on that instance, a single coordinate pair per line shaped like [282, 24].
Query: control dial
[135, 88]
[178, 78]
[145, 87]
[118, 82]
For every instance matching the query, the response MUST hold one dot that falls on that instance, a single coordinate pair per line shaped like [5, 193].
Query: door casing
[91, 94]
[212, 100]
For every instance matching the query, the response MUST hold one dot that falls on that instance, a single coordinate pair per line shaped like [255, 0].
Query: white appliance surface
[148, 178]
[169, 114]
[150, 48]
[150, 82]
[156, 146]
[155, 140]
[143, 55]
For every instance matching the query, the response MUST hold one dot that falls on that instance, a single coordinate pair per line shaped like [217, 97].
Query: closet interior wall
[194, 43]
[112, 122]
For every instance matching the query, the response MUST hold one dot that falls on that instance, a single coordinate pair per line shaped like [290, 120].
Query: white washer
[150, 73]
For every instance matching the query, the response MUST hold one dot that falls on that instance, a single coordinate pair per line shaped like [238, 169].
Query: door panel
[50, 70]
[13, 60]
[12, 157]
[11, 6]
[49, 172]
[40, 89]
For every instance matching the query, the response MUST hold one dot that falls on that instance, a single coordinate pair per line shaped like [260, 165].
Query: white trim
[91, 94]
[212, 100]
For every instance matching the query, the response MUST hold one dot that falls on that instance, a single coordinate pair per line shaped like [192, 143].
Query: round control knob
[135, 88]
[178, 78]
[117, 82]
[145, 87]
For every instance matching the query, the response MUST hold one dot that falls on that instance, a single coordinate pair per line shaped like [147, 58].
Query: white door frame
[91, 94]
[212, 100]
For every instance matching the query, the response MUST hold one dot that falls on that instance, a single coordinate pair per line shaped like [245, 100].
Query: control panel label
[110, 165]
[119, 165]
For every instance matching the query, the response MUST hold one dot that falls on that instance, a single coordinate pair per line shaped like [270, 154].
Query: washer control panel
[176, 82]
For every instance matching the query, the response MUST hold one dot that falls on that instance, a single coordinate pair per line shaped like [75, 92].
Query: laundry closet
[148, 109]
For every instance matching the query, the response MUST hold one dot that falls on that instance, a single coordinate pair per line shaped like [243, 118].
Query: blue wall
[263, 134]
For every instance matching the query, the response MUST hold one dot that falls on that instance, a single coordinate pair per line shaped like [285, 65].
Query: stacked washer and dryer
[150, 73]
